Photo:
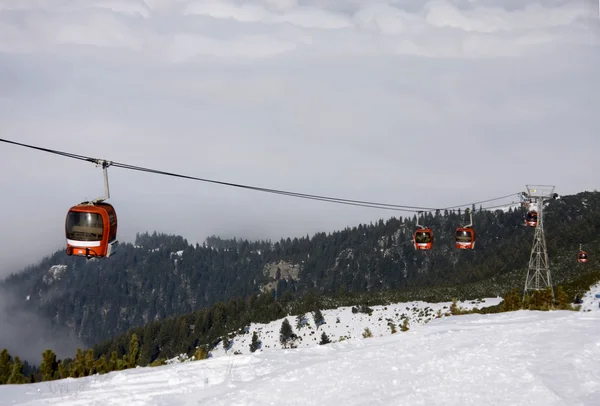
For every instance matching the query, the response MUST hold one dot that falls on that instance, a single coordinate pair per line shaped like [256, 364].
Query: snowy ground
[516, 358]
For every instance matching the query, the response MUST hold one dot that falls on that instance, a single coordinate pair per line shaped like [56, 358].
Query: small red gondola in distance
[465, 238]
[423, 238]
[532, 218]
[582, 256]
[91, 230]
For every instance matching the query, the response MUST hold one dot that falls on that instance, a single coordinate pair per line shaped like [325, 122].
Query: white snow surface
[514, 358]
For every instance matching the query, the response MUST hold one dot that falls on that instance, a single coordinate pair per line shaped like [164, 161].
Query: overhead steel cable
[501, 206]
[361, 203]
[281, 192]
[481, 201]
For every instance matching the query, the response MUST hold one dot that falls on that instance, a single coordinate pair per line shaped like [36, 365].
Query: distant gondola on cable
[582, 256]
[464, 236]
[423, 237]
[532, 218]
[91, 227]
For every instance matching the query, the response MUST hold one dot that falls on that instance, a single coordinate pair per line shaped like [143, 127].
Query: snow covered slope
[590, 301]
[516, 358]
[342, 323]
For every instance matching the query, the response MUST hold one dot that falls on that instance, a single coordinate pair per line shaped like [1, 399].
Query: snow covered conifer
[318, 317]
[300, 321]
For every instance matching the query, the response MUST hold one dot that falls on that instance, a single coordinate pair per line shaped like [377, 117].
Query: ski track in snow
[515, 358]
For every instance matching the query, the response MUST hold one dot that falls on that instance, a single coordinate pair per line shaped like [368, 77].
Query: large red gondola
[91, 227]
[91, 230]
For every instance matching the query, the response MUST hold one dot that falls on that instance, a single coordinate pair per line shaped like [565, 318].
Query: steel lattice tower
[538, 273]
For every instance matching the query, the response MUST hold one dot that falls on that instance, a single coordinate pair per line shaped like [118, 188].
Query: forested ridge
[161, 276]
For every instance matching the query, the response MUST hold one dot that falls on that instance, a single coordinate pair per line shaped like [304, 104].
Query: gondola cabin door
[91, 230]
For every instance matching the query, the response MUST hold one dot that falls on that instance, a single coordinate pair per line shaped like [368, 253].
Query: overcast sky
[431, 103]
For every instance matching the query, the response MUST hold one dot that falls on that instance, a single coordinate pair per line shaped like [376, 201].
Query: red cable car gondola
[532, 218]
[91, 230]
[582, 256]
[91, 227]
[464, 236]
[423, 237]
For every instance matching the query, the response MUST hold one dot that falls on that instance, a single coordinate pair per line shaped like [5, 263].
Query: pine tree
[101, 365]
[134, 350]
[16, 374]
[49, 365]
[300, 321]
[285, 332]
[562, 300]
[90, 363]
[511, 301]
[78, 369]
[324, 339]
[453, 306]
[254, 345]
[112, 363]
[226, 343]
[122, 363]
[318, 318]
[5, 366]
[60, 371]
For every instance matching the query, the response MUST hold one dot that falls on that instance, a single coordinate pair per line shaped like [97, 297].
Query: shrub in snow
[324, 339]
[201, 353]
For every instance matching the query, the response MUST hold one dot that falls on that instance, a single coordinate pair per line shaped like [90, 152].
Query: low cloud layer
[433, 104]
[27, 335]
